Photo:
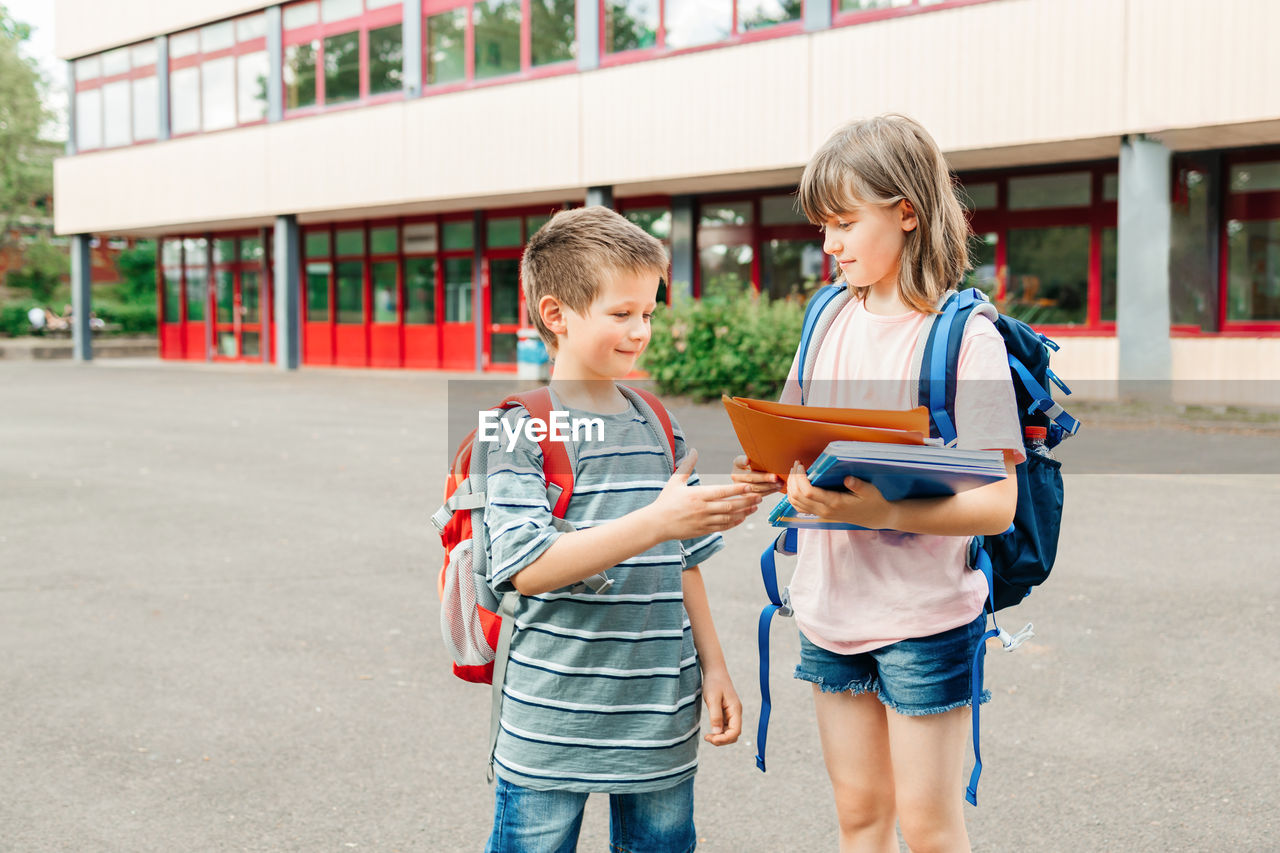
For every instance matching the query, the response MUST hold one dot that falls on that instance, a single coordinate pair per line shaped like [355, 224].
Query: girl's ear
[552, 314]
[908, 214]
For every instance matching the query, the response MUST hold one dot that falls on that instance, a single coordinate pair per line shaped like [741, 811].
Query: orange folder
[775, 435]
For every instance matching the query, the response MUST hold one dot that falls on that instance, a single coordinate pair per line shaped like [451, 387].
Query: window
[676, 24]
[171, 269]
[341, 52]
[218, 75]
[116, 98]
[1251, 240]
[506, 38]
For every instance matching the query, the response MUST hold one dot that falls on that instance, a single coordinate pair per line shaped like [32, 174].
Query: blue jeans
[528, 821]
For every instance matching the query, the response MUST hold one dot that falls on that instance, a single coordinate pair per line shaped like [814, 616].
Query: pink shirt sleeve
[986, 408]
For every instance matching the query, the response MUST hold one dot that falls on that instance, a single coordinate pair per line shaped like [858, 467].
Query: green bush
[13, 318]
[133, 319]
[724, 344]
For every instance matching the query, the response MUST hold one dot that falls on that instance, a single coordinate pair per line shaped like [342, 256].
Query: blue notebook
[898, 471]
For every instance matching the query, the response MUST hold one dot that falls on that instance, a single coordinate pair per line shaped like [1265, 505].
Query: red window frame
[528, 71]
[99, 82]
[1244, 207]
[737, 35]
[238, 48]
[1098, 215]
[916, 7]
[364, 23]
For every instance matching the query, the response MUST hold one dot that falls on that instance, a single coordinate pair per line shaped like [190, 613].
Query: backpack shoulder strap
[556, 464]
[937, 362]
[656, 417]
[819, 314]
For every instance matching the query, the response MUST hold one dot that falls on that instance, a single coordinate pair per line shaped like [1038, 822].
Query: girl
[890, 617]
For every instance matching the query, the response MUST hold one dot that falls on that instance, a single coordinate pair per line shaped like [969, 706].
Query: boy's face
[604, 341]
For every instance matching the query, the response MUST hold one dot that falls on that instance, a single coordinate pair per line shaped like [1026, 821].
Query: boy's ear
[552, 314]
[908, 214]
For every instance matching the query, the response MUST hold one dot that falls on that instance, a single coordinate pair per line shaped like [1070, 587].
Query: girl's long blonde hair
[881, 161]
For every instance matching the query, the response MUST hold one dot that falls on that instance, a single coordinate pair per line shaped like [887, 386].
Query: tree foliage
[26, 162]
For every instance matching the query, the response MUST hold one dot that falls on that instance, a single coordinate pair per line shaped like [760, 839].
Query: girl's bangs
[829, 188]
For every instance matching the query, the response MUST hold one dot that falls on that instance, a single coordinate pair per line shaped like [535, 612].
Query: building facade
[349, 182]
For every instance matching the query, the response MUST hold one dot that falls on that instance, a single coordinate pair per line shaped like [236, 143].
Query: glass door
[504, 309]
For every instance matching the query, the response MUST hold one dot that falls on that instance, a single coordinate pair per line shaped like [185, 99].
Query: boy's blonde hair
[881, 161]
[574, 250]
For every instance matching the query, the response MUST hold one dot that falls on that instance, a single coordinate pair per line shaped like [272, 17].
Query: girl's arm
[984, 511]
[717, 689]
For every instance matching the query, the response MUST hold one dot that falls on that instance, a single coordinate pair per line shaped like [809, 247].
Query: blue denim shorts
[915, 677]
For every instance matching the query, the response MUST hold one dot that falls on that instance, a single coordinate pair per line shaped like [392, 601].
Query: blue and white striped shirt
[602, 689]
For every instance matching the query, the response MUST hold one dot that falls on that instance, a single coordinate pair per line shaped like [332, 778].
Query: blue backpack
[1016, 560]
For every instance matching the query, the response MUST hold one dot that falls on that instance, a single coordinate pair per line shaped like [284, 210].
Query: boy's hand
[687, 512]
[862, 504]
[724, 706]
[761, 482]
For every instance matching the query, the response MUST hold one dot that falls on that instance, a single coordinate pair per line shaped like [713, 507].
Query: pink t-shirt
[858, 590]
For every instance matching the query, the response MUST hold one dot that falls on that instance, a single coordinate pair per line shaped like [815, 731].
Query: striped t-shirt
[602, 689]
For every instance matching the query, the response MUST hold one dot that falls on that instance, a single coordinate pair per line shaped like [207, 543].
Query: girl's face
[867, 242]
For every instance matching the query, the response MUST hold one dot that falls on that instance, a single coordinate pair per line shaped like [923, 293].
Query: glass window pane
[341, 68]
[504, 291]
[218, 93]
[146, 109]
[88, 68]
[553, 30]
[339, 10]
[301, 15]
[251, 27]
[446, 50]
[458, 235]
[654, 220]
[171, 254]
[219, 36]
[502, 348]
[317, 244]
[982, 254]
[117, 124]
[420, 237]
[382, 241]
[1110, 255]
[1255, 177]
[497, 37]
[142, 55]
[116, 62]
[1253, 270]
[1111, 187]
[184, 100]
[89, 119]
[252, 344]
[195, 252]
[253, 70]
[1193, 274]
[225, 296]
[755, 14]
[1035, 191]
[184, 44]
[224, 251]
[791, 268]
[197, 292]
[350, 281]
[725, 271]
[1048, 274]
[300, 75]
[978, 196]
[385, 294]
[386, 60]
[457, 290]
[318, 292]
[350, 241]
[780, 210]
[533, 223]
[861, 5]
[250, 249]
[250, 296]
[694, 22]
[420, 290]
[502, 232]
[630, 24]
[173, 295]
[725, 213]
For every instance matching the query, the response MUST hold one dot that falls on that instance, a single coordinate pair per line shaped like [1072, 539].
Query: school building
[349, 182]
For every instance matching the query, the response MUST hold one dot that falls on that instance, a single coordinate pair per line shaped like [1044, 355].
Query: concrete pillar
[1142, 298]
[817, 16]
[411, 33]
[81, 298]
[275, 61]
[287, 285]
[602, 196]
[162, 87]
[684, 253]
[588, 33]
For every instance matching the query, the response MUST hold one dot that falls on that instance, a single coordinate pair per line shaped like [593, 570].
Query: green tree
[138, 274]
[44, 266]
[26, 161]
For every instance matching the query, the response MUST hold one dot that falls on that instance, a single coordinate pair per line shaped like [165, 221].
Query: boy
[601, 688]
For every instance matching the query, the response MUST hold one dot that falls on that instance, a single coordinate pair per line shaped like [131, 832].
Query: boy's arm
[717, 688]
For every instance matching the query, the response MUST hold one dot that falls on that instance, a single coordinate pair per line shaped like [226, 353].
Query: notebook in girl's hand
[898, 471]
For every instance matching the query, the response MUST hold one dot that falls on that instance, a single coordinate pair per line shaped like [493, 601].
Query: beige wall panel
[198, 179]
[1089, 365]
[1192, 63]
[1011, 73]
[731, 109]
[88, 26]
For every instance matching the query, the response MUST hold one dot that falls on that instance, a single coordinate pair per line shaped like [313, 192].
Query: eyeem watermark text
[561, 428]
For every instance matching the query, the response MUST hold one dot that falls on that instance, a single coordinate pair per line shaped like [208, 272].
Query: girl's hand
[862, 504]
[761, 482]
[724, 706]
